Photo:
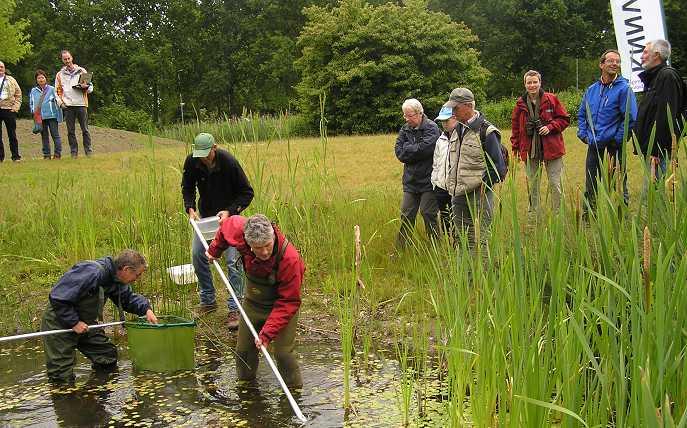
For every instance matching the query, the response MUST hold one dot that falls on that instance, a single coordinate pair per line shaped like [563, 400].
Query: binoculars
[532, 126]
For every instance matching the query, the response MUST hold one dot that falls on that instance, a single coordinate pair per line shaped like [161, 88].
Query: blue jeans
[202, 268]
[51, 126]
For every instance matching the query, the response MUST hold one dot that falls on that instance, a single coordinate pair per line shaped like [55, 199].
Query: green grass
[552, 329]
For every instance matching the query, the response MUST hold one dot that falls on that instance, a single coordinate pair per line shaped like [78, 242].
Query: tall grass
[550, 326]
[248, 127]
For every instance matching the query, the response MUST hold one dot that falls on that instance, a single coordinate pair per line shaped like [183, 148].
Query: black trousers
[9, 118]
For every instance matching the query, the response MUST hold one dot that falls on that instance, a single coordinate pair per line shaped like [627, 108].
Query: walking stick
[50, 332]
[266, 354]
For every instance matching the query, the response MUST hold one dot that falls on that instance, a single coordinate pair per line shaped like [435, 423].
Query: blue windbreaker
[49, 109]
[607, 105]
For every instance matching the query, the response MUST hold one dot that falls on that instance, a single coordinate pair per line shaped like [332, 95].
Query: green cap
[202, 145]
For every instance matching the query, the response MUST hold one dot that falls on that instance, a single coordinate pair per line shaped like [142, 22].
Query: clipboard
[84, 78]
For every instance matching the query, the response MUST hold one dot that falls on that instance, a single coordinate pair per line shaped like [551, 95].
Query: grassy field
[566, 322]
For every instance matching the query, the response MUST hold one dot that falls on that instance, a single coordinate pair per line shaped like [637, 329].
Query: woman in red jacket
[274, 274]
[538, 122]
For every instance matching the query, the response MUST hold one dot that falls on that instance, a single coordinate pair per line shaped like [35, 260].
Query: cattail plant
[646, 273]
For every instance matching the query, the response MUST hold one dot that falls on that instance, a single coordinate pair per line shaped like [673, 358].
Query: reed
[548, 326]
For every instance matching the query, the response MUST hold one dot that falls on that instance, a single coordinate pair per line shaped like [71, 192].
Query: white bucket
[183, 274]
[208, 227]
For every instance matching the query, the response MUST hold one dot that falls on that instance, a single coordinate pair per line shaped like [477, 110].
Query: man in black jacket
[77, 300]
[662, 89]
[415, 148]
[224, 191]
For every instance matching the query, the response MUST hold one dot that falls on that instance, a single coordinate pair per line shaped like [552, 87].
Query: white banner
[636, 22]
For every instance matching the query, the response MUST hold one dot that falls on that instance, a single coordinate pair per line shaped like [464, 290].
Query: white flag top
[636, 22]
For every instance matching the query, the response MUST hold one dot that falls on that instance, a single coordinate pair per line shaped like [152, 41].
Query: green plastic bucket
[164, 347]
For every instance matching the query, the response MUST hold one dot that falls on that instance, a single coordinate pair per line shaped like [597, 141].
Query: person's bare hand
[150, 316]
[544, 130]
[210, 257]
[80, 327]
[223, 215]
[192, 215]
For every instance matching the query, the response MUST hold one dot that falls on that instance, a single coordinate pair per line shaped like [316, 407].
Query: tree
[14, 43]
[367, 59]
[676, 23]
[545, 35]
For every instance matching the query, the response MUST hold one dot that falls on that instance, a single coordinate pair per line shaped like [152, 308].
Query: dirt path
[105, 140]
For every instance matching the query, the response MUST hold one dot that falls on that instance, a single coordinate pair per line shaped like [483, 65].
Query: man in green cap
[224, 191]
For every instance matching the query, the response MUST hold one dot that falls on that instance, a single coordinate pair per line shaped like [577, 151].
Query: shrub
[119, 116]
[367, 59]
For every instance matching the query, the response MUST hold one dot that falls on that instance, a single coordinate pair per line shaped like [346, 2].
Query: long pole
[266, 354]
[49, 332]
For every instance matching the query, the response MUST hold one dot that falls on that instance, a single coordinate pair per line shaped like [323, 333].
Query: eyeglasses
[611, 61]
[409, 115]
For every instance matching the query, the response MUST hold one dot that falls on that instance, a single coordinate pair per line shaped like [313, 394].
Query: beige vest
[467, 162]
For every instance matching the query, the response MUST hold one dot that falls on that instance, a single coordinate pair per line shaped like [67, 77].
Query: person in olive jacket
[663, 88]
[77, 300]
[538, 121]
[415, 148]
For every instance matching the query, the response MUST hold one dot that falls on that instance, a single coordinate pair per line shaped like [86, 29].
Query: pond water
[210, 395]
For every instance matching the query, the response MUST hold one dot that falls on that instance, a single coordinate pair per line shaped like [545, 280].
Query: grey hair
[661, 47]
[412, 104]
[130, 258]
[258, 230]
[3, 64]
[471, 103]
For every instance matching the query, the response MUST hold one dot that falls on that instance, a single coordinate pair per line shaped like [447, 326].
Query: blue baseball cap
[445, 113]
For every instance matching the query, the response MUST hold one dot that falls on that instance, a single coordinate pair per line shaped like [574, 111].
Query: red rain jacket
[553, 114]
[289, 275]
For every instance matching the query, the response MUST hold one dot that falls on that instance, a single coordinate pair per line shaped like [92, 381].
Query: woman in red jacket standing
[538, 122]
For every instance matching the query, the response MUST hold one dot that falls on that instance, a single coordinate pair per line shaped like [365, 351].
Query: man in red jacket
[538, 122]
[274, 274]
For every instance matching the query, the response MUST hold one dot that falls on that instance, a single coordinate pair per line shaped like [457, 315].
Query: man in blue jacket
[601, 122]
[77, 300]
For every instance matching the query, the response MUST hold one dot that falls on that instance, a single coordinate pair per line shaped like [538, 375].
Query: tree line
[361, 58]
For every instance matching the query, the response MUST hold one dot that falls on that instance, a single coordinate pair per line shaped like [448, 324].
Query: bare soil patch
[105, 140]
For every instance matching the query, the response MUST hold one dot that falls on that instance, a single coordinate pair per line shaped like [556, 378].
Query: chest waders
[259, 298]
[60, 354]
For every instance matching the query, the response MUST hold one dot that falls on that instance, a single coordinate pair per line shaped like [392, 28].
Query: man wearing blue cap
[224, 191]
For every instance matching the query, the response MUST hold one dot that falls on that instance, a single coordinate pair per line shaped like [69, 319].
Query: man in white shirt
[72, 95]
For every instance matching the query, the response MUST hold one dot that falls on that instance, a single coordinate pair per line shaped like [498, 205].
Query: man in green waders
[274, 274]
[77, 300]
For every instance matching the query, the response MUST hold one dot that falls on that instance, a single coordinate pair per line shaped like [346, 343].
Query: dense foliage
[222, 57]
[13, 43]
[366, 59]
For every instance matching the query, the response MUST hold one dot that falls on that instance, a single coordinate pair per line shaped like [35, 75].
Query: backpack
[505, 154]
